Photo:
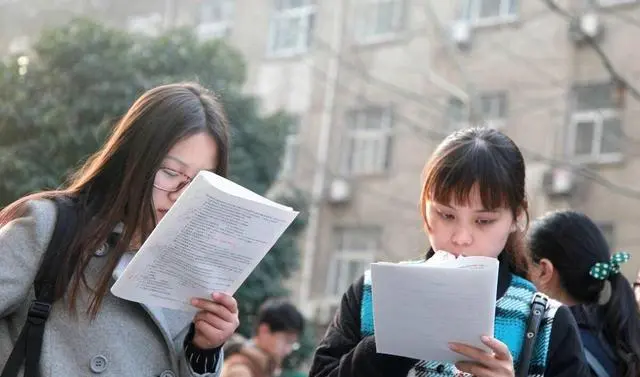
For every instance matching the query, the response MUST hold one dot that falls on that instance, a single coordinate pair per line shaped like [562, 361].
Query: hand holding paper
[420, 308]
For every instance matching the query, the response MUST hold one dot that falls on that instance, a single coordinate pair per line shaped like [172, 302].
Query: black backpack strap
[29, 344]
[539, 305]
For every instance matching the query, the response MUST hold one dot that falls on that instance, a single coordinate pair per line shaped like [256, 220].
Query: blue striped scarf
[512, 314]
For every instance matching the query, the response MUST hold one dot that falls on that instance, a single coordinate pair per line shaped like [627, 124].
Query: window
[456, 114]
[595, 128]
[368, 141]
[291, 27]
[606, 3]
[480, 12]
[355, 249]
[291, 146]
[378, 19]
[493, 108]
[491, 105]
[216, 18]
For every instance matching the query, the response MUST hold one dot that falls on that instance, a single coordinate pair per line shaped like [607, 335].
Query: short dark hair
[281, 316]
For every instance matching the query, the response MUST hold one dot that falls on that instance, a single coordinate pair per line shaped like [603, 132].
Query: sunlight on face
[183, 162]
[470, 229]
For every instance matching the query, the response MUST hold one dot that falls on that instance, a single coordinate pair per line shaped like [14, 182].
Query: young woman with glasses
[167, 136]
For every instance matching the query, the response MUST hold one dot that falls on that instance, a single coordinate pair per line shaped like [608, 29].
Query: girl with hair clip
[473, 196]
[572, 263]
[167, 136]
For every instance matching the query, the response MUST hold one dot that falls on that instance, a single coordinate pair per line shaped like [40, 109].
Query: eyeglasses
[170, 180]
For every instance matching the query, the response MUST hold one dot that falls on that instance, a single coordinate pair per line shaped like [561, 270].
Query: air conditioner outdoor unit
[584, 27]
[461, 34]
[339, 191]
[559, 182]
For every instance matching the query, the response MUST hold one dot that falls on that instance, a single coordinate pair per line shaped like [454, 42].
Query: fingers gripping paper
[420, 308]
[212, 238]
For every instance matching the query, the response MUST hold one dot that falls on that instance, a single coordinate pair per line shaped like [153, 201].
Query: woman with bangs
[473, 203]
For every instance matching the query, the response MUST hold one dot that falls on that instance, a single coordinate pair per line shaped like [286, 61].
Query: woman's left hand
[216, 321]
[499, 363]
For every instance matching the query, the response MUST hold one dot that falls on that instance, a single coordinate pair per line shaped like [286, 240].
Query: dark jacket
[344, 353]
[593, 340]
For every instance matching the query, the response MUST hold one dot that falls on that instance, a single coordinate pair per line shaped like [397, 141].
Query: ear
[263, 329]
[546, 272]
[522, 220]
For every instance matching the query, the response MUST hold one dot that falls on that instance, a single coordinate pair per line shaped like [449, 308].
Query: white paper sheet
[212, 238]
[420, 308]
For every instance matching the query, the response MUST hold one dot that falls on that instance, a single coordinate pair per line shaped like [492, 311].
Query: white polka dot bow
[603, 270]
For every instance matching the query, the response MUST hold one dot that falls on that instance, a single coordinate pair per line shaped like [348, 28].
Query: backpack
[29, 345]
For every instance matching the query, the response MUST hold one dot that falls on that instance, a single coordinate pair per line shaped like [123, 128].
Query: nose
[173, 196]
[462, 236]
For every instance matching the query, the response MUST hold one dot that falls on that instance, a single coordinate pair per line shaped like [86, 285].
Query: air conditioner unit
[339, 191]
[584, 27]
[461, 34]
[559, 182]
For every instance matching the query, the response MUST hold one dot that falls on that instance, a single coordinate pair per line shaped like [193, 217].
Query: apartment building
[375, 84]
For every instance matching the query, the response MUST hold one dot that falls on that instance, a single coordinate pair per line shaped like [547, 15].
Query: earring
[514, 227]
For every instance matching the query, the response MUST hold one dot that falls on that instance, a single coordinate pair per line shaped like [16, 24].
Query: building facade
[375, 84]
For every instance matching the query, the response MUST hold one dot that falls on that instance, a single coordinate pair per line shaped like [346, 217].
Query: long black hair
[115, 184]
[574, 243]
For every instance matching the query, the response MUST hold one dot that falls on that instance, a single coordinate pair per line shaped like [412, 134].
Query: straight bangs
[453, 177]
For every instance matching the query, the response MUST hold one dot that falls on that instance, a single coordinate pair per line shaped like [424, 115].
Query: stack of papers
[420, 308]
[210, 240]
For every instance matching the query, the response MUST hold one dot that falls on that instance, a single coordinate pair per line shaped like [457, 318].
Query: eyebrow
[477, 211]
[176, 159]
[184, 164]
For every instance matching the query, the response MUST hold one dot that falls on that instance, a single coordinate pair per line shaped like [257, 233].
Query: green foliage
[82, 77]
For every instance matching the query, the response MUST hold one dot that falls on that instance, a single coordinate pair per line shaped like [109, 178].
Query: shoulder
[23, 242]
[566, 356]
[236, 366]
[33, 228]
[563, 320]
[249, 361]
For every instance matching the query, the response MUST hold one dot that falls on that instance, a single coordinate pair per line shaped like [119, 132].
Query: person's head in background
[473, 196]
[278, 327]
[571, 262]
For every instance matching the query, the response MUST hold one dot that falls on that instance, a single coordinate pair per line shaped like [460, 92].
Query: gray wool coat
[125, 339]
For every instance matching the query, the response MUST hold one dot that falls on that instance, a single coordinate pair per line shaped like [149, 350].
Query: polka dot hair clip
[604, 270]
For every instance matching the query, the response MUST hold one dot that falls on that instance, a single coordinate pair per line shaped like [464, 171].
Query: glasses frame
[187, 180]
